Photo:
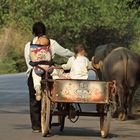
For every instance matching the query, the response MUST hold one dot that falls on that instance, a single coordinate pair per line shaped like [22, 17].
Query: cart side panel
[81, 91]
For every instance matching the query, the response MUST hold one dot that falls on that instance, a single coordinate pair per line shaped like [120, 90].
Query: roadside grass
[6, 68]
[12, 43]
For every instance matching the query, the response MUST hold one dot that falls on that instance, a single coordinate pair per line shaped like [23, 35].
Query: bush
[12, 44]
[92, 22]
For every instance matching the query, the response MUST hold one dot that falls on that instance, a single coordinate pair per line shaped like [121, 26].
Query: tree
[92, 22]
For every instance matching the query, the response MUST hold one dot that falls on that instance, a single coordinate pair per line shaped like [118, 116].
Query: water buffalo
[100, 53]
[123, 66]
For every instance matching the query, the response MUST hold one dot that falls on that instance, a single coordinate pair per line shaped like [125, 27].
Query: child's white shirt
[78, 67]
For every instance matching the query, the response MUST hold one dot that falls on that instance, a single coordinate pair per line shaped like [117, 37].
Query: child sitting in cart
[78, 65]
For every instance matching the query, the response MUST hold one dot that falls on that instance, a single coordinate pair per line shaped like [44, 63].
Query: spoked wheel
[45, 114]
[105, 119]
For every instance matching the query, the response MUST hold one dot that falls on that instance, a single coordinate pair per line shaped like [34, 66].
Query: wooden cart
[65, 92]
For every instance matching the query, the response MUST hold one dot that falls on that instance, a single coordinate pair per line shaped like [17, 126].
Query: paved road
[15, 120]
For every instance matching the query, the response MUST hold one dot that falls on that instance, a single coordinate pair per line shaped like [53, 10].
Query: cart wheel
[105, 122]
[45, 114]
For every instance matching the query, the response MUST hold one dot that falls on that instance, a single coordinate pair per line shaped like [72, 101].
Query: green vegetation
[93, 22]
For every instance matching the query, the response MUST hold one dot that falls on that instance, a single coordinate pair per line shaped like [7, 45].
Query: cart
[63, 93]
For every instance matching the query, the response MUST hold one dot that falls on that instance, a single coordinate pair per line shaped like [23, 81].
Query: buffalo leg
[115, 106]
[121, 95]
[130, 101]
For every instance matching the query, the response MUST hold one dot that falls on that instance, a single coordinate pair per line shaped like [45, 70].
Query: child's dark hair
[39, 29]
[78, 48]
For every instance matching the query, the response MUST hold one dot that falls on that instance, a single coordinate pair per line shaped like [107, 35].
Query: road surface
[15, 120]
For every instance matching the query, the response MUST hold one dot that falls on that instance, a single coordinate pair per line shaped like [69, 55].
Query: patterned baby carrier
[40, 57]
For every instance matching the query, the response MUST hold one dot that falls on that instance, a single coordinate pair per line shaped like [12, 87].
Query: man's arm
[26, 53]
[27, 57]
[59, 50]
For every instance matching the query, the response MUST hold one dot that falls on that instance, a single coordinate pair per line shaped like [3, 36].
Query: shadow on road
[14, 112]
[22, 126]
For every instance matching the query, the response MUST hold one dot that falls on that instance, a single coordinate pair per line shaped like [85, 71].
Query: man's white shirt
[54, 47]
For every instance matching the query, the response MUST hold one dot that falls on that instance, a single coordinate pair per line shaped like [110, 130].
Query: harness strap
[41, 63]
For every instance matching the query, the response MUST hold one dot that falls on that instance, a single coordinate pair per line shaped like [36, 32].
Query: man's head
[39, 29]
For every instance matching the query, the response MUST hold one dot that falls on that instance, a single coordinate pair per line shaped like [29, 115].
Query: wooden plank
[81, 91]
